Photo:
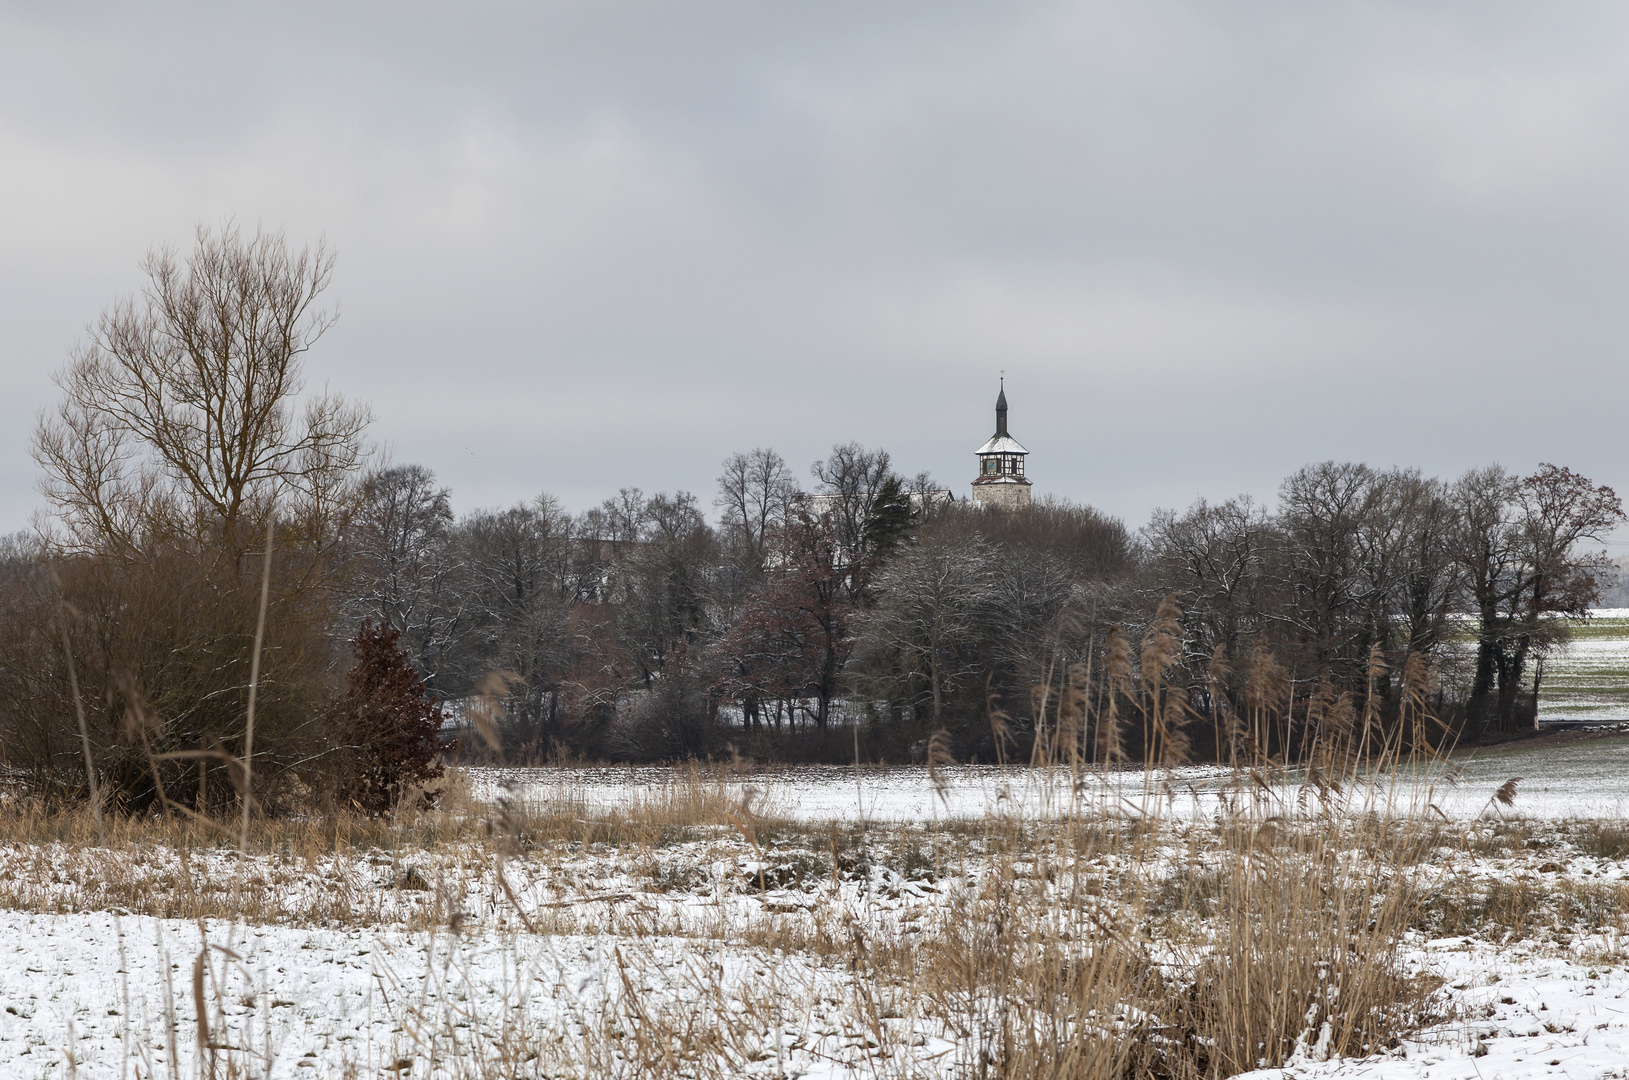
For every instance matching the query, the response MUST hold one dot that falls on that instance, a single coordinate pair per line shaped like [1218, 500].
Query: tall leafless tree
[755, 493]
[1519, 541]
[183, 435]
[406, 571]
[514, 569]
[851, 479]
[185, 407]
[931, 608]
[1322, 512]
[1215, 555]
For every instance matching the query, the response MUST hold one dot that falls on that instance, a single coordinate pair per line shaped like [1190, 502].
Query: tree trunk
[1538, 680]
[933, 686]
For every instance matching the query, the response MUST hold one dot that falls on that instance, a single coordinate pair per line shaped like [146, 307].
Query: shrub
[384, 730]
[162, 643]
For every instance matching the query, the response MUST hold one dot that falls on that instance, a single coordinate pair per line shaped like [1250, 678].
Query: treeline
[638, 630]
[214, 554]
[1361, 571]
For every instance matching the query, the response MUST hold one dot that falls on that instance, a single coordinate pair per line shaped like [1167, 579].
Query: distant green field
[1589, 680]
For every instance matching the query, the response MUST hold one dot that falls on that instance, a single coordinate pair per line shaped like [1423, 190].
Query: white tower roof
[1002, 444]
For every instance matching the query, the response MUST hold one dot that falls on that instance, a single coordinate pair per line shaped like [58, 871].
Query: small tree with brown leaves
[384, 730]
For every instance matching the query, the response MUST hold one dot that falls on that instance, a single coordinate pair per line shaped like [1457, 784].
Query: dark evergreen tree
[890, 520]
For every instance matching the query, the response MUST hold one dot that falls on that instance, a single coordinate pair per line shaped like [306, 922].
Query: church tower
[1001, 481]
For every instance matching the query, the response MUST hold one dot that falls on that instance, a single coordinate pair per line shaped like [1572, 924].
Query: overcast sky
[591, 245]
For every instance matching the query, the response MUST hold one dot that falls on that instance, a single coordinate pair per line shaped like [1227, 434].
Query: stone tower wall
[1002, 496]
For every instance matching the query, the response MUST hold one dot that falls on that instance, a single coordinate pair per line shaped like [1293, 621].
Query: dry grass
[1603, 839]
[1531, 880]
[1098, 943]
[1095, 944]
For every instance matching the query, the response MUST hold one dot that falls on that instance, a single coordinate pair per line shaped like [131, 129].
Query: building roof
[1002, 444]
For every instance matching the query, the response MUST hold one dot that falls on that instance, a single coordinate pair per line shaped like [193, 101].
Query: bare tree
[1518, 541]
[852, 477]
[1408, 579]
[407, 572]
[624, 517]
[931, 608]
[928, 496]
[755, 493]
[181, 410]
[792, 637]
[667, 580]
[1560, 511]
[1356, 559]
[1322, 512]
[1094, 545]
[515, 567]
[1488, 544]
[1215, 555]
[183, 435]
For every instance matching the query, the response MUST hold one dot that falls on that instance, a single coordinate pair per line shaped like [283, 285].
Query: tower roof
[1002, 444]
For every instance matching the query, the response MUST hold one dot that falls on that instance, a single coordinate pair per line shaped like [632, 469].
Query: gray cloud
[589, 245]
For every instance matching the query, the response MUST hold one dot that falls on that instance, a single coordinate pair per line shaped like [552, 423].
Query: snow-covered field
[93, 995]
[555, 953]
[1524, 1012]
[1589, 679]
[539, 963]
[1588, 778]
[98, 996]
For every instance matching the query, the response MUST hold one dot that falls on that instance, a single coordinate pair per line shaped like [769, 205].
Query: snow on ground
[1546, 998]
[813, 793]
[550, 950]
[333, 972]
[1576, 778]
[1521, 1013]
[1582, 778]
[1589, 679]
[82, 995]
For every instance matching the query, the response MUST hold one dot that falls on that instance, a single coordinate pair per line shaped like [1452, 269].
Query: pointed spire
[1001, 409]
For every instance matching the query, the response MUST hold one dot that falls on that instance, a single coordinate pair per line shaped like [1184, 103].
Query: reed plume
[1318, 735]
[1162, 645]
[1175, 749]
[1266, 692]
[1371, 702]
[1073, 710]
[1419, 683]
[1117, 663]
[486, 709]
[939, 756]
[1229, 727]
[1000, 728]
[1162, 648]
